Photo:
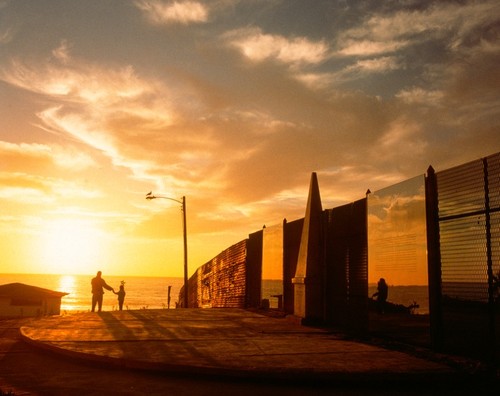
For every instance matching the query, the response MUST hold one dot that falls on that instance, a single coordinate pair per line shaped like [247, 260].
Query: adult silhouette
[98, 284]
[381, 294]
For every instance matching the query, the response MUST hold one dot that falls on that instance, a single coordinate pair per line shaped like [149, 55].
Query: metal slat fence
[467, 202]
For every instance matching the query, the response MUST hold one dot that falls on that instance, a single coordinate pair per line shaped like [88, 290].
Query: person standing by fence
[381, 294]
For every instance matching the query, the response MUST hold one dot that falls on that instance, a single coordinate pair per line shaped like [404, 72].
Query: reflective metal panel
[397, 249]
[272, 265]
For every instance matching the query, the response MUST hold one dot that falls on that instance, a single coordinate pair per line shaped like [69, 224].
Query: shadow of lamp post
[150, 196]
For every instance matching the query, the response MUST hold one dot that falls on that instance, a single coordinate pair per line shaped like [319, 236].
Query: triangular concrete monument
[309, 275]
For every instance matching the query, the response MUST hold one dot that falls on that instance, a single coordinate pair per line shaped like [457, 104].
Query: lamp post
[150, 196]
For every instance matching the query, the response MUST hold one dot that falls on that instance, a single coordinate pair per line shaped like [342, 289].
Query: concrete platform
[230, 342]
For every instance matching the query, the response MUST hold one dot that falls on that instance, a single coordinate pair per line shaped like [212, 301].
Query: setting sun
[221, 104]
[70, 246]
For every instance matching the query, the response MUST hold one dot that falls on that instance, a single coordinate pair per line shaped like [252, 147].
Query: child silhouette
[121, 295]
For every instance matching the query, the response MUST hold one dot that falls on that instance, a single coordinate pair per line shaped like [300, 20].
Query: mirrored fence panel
[397, 245]
[272, 265]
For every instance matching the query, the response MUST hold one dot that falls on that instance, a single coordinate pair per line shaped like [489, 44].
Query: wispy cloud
[417, 95]
[369, 47]
[103, 111]
[62, 53]
[364, 67]
[5, 35]
[77, 81]
[388, 32]
[258, 46]
[35, 155]
[403, 133]
[32, 188]
[182, 12]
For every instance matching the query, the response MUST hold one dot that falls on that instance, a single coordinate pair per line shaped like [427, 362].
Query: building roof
[20, 290]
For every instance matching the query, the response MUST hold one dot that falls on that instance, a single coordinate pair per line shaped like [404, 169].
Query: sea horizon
[143, 292]
[151, 292]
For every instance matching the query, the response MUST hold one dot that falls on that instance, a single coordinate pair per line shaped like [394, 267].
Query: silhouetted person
[381, 294]
[121, 296]
[97, 291]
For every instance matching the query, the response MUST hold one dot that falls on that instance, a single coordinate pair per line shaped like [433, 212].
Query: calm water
[152, 293]
[142, 292]
[404, 295]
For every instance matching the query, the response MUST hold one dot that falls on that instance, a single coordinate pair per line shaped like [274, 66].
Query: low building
[20, 300]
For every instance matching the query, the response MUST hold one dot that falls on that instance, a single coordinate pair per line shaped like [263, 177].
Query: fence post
[433, 259]
[491, 291]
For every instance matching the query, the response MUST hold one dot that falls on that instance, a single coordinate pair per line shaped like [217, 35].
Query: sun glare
[70, 246]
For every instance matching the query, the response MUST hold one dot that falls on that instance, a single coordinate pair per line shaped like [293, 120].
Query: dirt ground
[25, 370]
[28, 371]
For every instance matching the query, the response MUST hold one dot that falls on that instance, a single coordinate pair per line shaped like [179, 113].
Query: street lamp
[183, 209]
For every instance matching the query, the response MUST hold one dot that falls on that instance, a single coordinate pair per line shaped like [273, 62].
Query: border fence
[464, 257]
[461, 221]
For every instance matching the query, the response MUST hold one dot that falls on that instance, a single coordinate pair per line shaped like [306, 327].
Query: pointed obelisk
[309, 275]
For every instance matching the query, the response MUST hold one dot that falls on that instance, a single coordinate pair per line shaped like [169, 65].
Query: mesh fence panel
[462, 231]
[461, 190]
[494, 201]
[469, 239]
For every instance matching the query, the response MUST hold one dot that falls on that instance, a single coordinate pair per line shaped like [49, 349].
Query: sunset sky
[230, 103]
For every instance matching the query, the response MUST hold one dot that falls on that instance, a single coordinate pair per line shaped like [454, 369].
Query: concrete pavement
[232, 342]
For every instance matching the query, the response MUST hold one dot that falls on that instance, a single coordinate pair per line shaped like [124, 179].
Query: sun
[70, 246]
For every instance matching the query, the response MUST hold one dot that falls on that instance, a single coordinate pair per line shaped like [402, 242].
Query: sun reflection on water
[67, 284]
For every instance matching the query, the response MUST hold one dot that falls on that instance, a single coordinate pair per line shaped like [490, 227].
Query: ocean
[403, 295]
[142, 292]
[152, 292]
[406, 295]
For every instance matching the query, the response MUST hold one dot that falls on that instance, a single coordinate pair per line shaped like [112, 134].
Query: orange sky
[397, 241]
[230, 103]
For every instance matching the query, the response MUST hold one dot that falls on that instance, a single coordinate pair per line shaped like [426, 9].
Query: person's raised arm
[106, 286]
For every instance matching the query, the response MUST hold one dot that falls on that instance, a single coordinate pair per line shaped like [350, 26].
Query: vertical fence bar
[491, 297]
[433, 259]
